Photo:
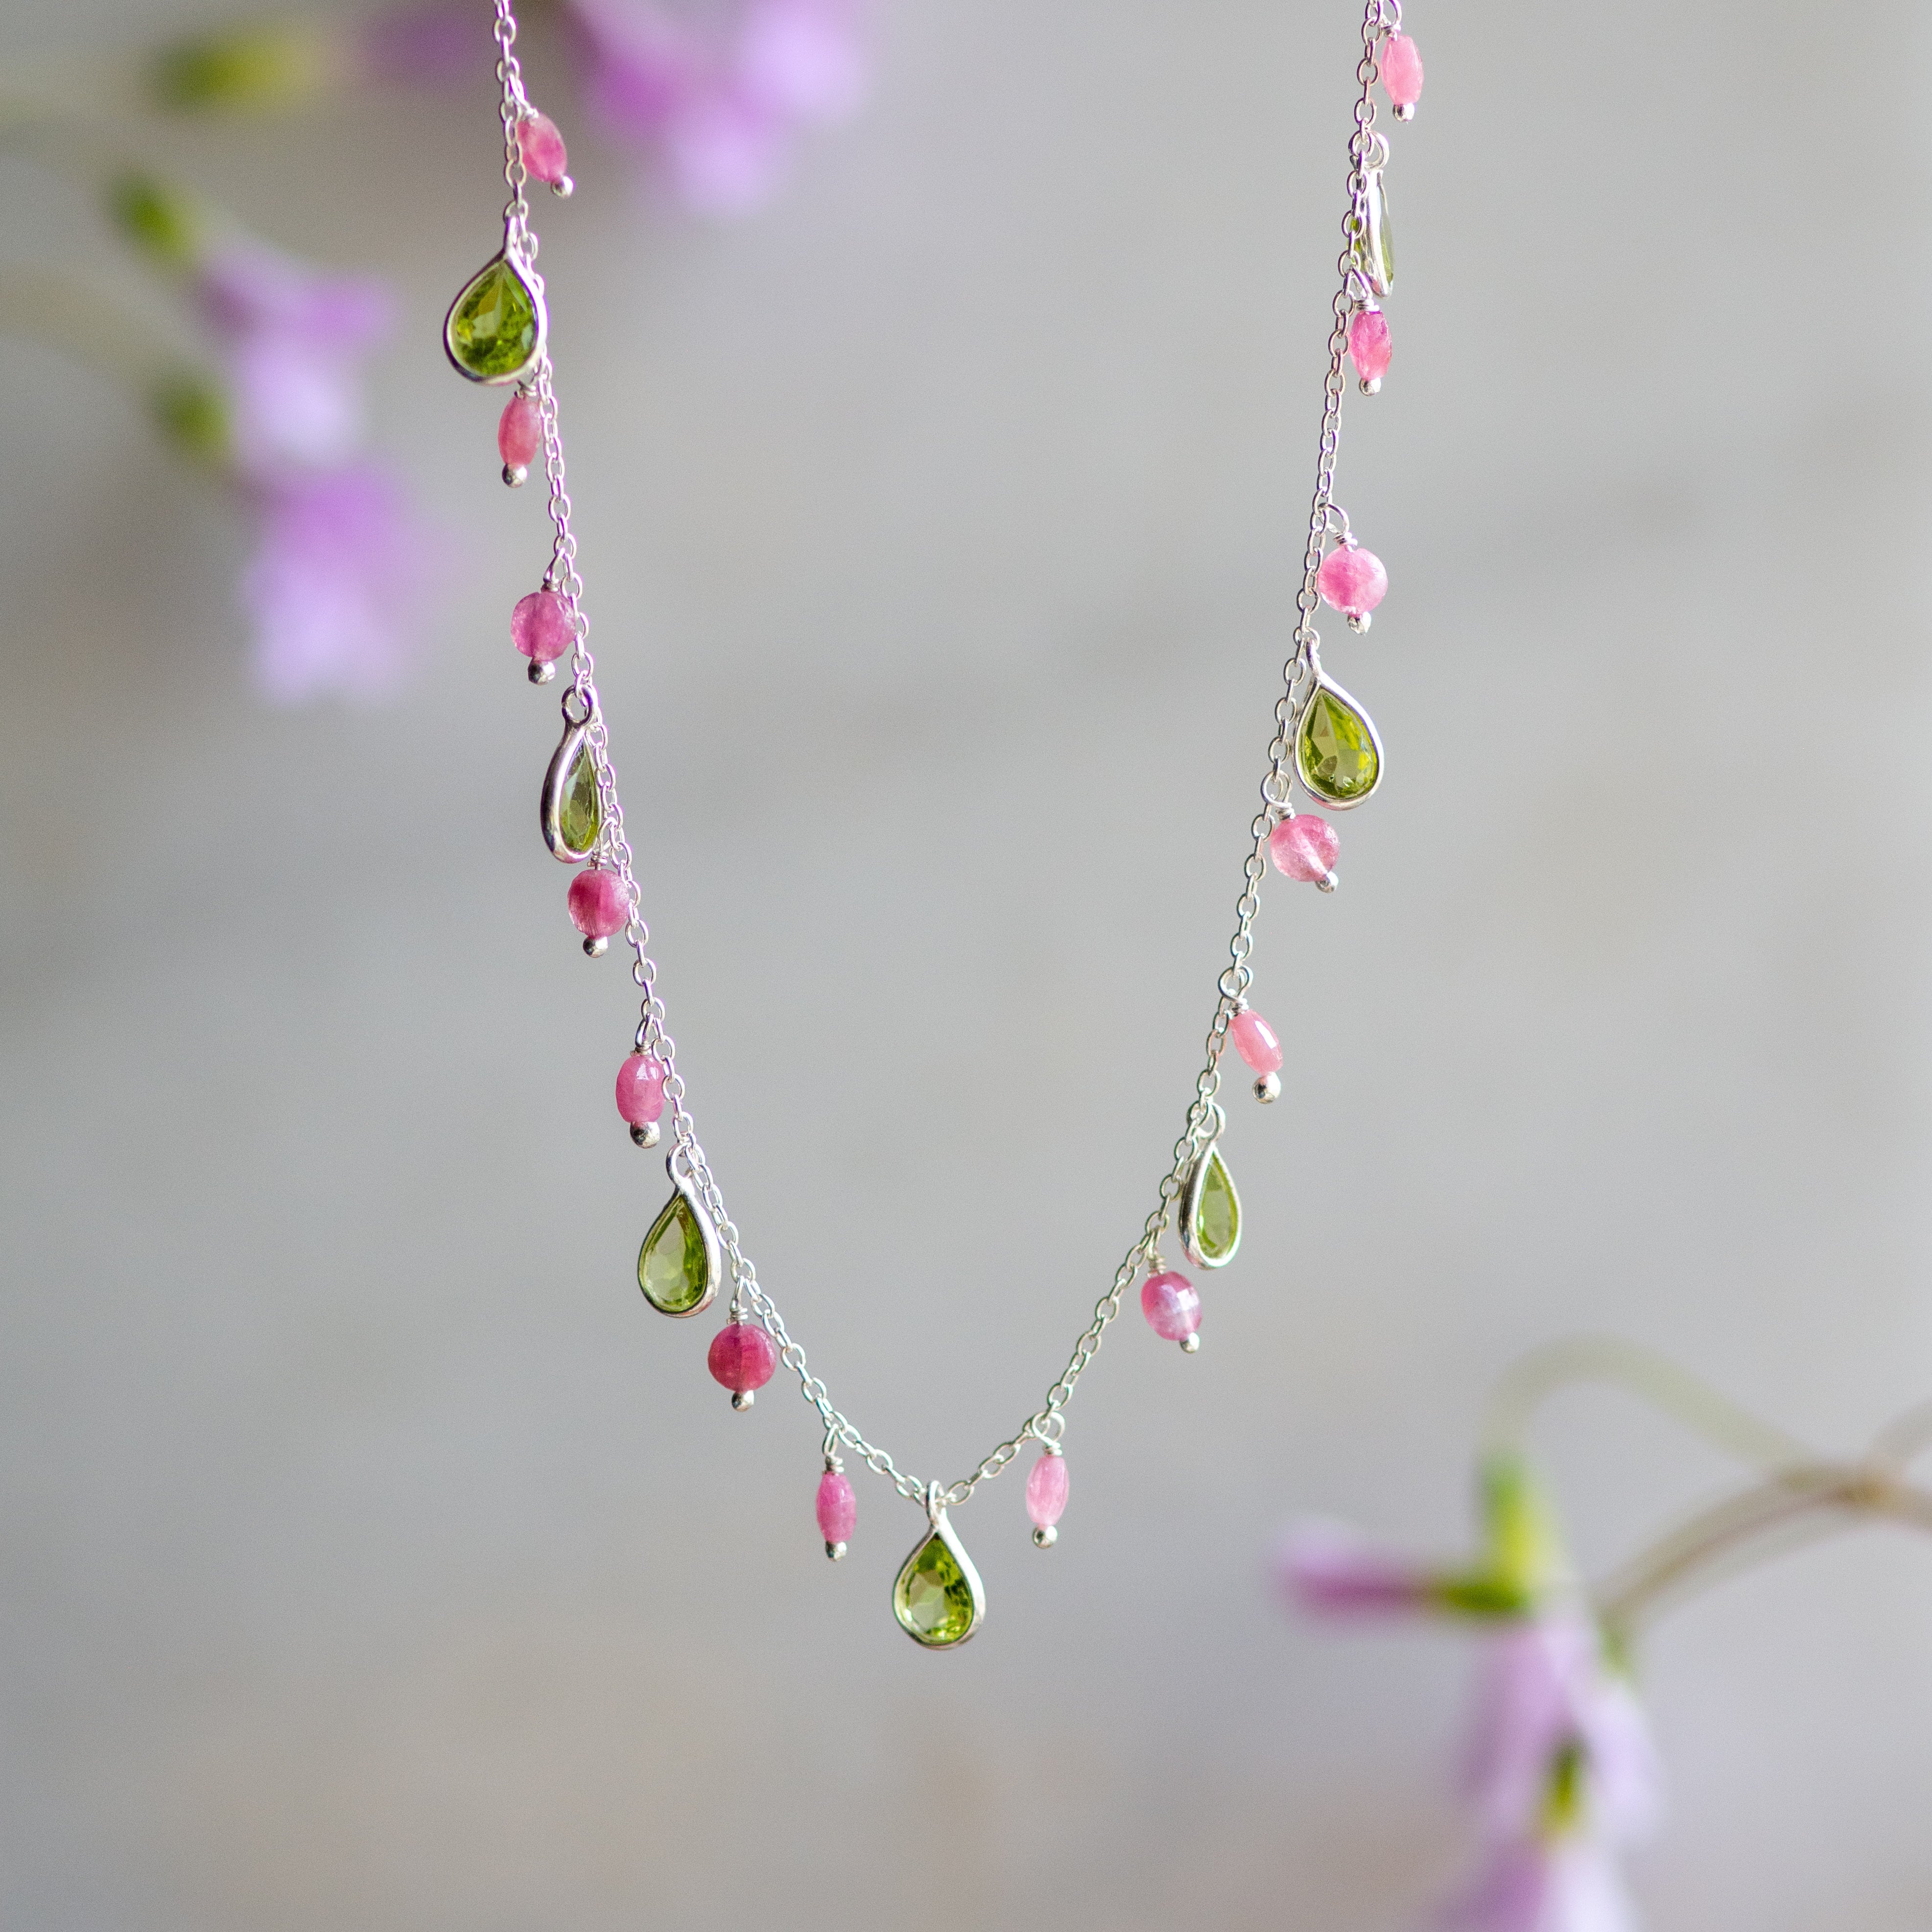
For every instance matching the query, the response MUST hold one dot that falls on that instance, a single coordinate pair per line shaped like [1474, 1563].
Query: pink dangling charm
[1172, 1308]
[1401, 64]
[1368, 348]
[1353, 581]
[1046, 1495]
[1305, 847]
[598, 908]
[519, 437]
[540, 627]
[743, 1357]
[541, 147]
[837, 1509]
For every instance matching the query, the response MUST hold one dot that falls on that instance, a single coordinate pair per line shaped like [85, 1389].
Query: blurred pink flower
[1326, 1570]
[439, 44]
[336, 588]
[293, 340]
[719, 115]
[1569, 1886]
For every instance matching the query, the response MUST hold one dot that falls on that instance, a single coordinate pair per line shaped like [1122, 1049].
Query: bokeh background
[372, 1557]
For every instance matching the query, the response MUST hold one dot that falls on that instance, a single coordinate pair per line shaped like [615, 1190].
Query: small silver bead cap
[742, 1400]
[563, 188]
[1046, 1536]
[1190, 1345]
[542, 673]
[645, 1133]
[1370, 385]
[1406, 111]
[835, 1551]
[596, 949]
[1359, 621]
[1268, 1087]
[516, 475]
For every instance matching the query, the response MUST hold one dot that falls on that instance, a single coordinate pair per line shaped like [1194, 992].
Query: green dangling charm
[1338, 754]
[570, 808]
[497, 329]
[936, 1596]
[1210, 1210]
[678, 1266]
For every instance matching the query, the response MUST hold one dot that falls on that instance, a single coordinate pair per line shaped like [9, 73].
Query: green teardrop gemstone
[1379, 244]
[1335, 751]
[673, 1268]
[492, 331]
[933, 1598]
[1217, 1211]
[579, 817]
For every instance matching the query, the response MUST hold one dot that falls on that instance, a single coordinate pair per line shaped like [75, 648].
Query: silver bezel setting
[528, 276]
[714, 1265]
[1190, 1205]
[942, 1531]
[1376, 249]
[556, 778]
[1323, 681]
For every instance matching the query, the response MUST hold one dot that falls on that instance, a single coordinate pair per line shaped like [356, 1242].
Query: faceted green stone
[933, 1598]
[1217, 1211]
[1334, 751]
[493, 328]
[579, 816]
[673, 1269]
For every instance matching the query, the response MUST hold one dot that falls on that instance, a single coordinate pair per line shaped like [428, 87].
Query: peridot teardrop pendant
[938, 1597]
[1338, 756]
[1376, 246]
[571, 808]
[1210, 1210]
[496, 328]
[678, 1266]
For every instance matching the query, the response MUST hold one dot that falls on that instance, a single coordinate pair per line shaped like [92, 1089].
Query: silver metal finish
[1359, 621]
[742, 1399]
[543, 674]
[519, 250]
[714, 1268]
[596, 946]
[1190, 1345]
[836, 1551]
[645, 1133]
[516, 475]
[556, 785]
[1267, 1088]
[1370, 385]
[941, 1532]
[1190, 1201]
[1045, 1536]
[1323, 681]
[1367, 154]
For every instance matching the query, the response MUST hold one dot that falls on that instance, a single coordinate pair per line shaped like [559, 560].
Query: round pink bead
[1353, 581]
[520, 432]
[1171, 1306]
[1304, 847]
[1046, 1480]
[1369, 347]
[837, 1507]
[543, 149]
[597, 906]
[540, 626]
[641, 1094]
[1401, 64]
[1254, 1041]
[742, 1356]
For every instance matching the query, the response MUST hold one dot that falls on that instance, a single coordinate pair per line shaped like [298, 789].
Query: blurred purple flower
[440, 44]
[719, 116]
[293, 340]
[1326, 1570]
[1568, 1886]
[336, 588]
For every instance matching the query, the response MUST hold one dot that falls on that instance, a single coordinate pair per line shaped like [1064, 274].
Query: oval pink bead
[1304, 847]
[1046, 1480]
[1369, 347]
[1353, 581]
[837, 1507]
[520, 432]
[542, 147]
[1254, 1041]
[1401, 64]
[597, 906]
[742, 1356]
[1171, 1306]
[540, 626]
[641, 1094]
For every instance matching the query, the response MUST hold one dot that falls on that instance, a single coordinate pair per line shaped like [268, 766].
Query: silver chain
[1367, 149]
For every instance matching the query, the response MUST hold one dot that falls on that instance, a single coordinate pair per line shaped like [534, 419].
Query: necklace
[497, 334]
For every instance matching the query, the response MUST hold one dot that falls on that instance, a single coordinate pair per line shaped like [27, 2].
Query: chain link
[1367, 148]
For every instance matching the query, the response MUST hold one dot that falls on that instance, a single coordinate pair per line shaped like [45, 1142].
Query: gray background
[372, 1558]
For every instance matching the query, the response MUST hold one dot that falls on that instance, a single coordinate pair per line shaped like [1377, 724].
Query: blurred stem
[64, 314]
[1655, 1378]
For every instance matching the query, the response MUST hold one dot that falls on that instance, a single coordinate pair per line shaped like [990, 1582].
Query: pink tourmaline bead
[1369, 347]
[1254, 1041]
[542, 147]
[1304, 847]
[597, 906]
[837, 1507]
[743, 1357]
[641, 1094]
[1353, 581]
[520, 432]
[1401, 70]
[1171, 1306]
[540, 626]
[1046, 1480]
